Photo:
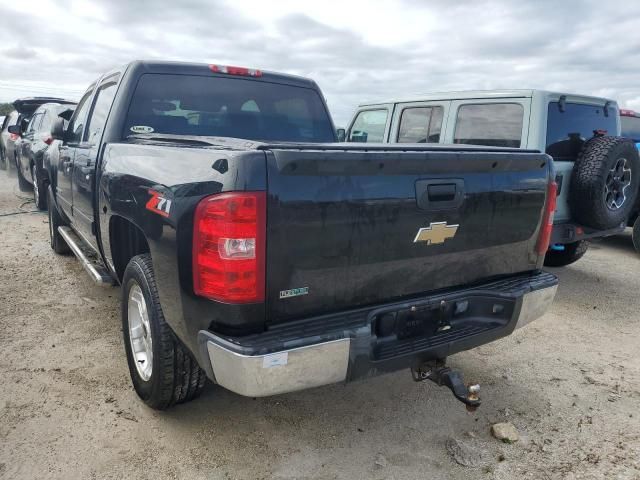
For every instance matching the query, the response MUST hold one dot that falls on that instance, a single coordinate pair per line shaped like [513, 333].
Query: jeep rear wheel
[604, 182]
[162, 370]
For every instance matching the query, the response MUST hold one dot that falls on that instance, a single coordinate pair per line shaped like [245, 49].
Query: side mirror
[341, 133]
[57, 129]
[15, 129]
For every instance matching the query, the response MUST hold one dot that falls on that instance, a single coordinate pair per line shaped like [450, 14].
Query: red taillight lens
[14, 136]
[47, 140]
[229, 232]
[547, 220]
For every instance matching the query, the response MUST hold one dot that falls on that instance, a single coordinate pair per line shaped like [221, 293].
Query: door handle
[440, 194]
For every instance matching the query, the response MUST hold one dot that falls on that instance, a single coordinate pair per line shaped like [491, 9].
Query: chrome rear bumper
[316, 361]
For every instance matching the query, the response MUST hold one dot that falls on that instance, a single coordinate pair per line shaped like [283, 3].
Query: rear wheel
[162, 370]
[636, 234]
[23, 183]
[58, 244]
[566, 254]
[39, 189]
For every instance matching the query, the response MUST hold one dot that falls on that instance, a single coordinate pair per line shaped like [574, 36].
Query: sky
[357, 50]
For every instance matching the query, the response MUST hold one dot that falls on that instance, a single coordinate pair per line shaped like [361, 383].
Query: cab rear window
[227, 107]
[492, 124]
[569, 127]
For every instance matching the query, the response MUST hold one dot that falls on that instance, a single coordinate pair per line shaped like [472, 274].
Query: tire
[169, 374]
[572, 253]
[604, 182]
[39, 189]
[635, 236]
[23, 184]
[57, 243]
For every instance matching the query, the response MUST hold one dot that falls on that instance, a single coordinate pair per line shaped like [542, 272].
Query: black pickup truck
[253, 250]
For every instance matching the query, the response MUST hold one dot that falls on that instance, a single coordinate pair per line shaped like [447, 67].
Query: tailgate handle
[440, 194]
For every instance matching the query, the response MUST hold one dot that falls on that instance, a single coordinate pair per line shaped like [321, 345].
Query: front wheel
[162, 370]
[58, 244]
[563, 255]
[635, 236]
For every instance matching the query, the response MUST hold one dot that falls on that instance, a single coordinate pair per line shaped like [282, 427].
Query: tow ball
[442, 375]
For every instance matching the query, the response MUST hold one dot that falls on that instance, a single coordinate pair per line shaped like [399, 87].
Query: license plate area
[413, 328]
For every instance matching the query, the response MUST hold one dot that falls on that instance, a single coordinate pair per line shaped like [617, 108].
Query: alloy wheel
[140, 332]
[616, 185]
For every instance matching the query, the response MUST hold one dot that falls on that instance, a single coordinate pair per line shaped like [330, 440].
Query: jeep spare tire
[604, 182]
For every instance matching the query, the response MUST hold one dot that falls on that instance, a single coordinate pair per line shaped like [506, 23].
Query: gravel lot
[570, 383]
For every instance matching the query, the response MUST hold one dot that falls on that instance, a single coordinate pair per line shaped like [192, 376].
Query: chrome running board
[87, 256]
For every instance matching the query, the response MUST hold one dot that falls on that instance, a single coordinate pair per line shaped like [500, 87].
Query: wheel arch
[126, 240]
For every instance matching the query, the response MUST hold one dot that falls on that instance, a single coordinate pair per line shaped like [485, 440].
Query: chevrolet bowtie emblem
[436, 233]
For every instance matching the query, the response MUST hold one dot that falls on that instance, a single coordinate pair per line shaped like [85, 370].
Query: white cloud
[356, 50]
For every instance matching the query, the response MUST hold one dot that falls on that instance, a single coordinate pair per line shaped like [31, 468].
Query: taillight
[48, 140]
[14, 136]
[544, 237]
[229, 70]
[229, 232]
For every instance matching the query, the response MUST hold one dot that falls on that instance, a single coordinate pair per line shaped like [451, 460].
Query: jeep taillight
[544, 237]
[229, 247]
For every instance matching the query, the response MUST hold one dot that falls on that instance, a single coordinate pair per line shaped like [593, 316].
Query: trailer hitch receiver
[442, 375]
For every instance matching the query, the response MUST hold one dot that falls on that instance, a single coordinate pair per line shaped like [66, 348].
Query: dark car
[254, 251]
[8, 140]
[36, 139]
[24, 107]
[630, 122]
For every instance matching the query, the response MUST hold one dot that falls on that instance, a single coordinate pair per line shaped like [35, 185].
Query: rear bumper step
[90, 262]
[352, 345]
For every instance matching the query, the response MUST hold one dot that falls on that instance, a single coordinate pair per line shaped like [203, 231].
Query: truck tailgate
[348, 228]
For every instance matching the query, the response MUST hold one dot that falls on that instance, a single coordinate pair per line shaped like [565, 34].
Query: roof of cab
[485, 94]
[155, 66]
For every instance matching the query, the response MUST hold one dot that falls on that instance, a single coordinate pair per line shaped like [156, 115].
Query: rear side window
[227, 107]
[100, 111]
[420, 125]
[631, 127]
[369, 126]
[34, 123]
[568, 130]
[47, 120]
[492, 124]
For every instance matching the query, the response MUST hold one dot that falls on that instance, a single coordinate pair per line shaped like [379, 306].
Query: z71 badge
[158, 204]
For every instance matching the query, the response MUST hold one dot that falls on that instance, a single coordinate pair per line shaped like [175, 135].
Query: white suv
[597, 171]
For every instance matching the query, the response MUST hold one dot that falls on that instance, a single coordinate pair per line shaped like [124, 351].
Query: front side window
[492, 124]
[100, 111]
[227, 107]
[369, 126]
[76, 125]
[570, 127]
[420, 125]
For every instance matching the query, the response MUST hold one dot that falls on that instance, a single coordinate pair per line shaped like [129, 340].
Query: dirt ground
[570, 383]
